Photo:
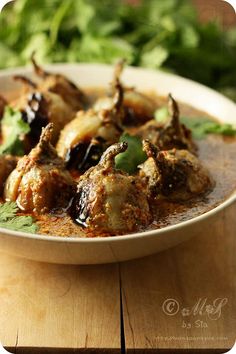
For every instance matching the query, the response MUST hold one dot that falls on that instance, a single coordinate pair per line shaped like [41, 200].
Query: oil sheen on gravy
[216, 152]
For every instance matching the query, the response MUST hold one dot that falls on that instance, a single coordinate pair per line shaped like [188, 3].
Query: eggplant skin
[172, 134]
[137, 107]
[182, 175]
[71, 94]
[83, 140]
[113, 203]
[109, 200]
[40, 182]
[39, 109]
[3, 103]
[7, 165]
[39, 190]
[174, 174]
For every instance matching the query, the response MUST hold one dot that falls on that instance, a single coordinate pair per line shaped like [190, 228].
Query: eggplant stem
[25, 80]
[38, 69]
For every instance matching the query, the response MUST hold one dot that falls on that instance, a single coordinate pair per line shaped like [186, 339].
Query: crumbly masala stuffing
[88, 165]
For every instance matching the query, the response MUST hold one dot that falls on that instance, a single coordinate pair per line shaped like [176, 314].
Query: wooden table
[109, 308]
[218, 10]
[156, 304]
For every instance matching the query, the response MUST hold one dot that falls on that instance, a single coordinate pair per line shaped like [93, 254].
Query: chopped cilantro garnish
[12, 122]
[200, 126]
[129, 160]
[161, 114]
[10, 220]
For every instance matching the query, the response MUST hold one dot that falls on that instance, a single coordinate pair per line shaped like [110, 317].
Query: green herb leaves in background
[10, 220]
[129, 160]
[155, 34]
[12, 122]
[200, 126]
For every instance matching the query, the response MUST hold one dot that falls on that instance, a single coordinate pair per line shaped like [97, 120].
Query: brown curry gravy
[216, 152]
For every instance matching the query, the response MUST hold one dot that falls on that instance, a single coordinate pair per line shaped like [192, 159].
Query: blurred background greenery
[165, 34]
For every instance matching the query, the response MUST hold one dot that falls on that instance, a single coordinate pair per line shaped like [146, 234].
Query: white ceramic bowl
[115, 249]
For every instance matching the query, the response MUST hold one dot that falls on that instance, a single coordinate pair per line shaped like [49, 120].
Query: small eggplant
[83, 140]
[138, 108]
[40, 183]
[38, 109]
[73, 96]
[174, 174]
[171, 135]
[7, 165]
[109, 200]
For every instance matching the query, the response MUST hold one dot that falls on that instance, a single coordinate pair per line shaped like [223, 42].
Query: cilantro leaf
[13, 123]
[129, 160]
[10, 220]
[150, 33]
[20, 223]
[161, 114]
[8, 210]
[154, 58]
[200, 126]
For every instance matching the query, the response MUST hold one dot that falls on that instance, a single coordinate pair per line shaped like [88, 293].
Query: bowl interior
[98, 75]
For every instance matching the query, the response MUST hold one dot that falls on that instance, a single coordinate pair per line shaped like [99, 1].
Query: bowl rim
[76, 239]
[147, 234]
[58, 66]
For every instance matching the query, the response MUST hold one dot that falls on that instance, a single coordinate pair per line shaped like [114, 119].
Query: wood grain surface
[202, 271]
[49, 308]
[67, 309]
[53, 306]
[220, 10]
